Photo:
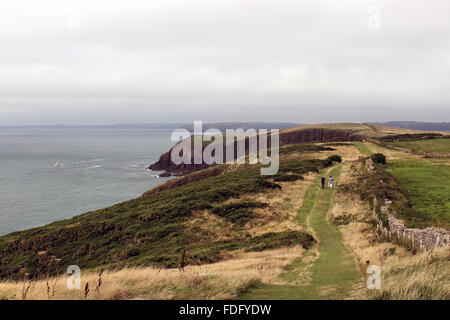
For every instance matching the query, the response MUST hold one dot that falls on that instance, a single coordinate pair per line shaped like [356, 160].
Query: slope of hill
[244, 235]
[310, 133]
[329, 132]
[156, 228]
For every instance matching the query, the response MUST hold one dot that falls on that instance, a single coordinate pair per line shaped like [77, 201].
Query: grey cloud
[223, 60]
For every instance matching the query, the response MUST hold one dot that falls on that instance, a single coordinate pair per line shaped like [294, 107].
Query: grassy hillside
[419, 190]
[417, 125]
[426, 185]
[155, 229]
[405, 274]
[247, 235]
[441, 146]
[362, 129]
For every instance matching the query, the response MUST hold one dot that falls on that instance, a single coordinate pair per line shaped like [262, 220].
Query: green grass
[335, 267]
[441, 146]
[308, 200]
[333, 273]
[362, 148]
[427, 187]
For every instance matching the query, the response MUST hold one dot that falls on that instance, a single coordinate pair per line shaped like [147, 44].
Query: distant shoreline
[415, 125]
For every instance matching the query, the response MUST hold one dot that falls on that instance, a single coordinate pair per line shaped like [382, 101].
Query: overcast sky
[100, 62]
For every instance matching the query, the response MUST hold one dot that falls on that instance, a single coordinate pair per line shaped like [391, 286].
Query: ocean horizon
[49, 173]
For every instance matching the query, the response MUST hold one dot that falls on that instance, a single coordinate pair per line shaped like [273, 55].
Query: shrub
[302, 148]
[343, 220]
[238, 213]
[410, 137]
[335, 157]
[287, 177]
[378, 158]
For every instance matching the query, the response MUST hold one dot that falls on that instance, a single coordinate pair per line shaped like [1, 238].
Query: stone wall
[424, 239]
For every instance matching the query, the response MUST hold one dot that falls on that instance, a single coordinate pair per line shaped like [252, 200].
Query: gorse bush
[301, 167]
[287, 177]
[343, 219]
[303, 147]
[238, 213]
[378, 158]
[410, 137]
[335, 157]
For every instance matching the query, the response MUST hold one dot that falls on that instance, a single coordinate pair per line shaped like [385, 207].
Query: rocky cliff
[286, 137]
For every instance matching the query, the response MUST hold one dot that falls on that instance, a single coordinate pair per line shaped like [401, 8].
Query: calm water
[99, 167]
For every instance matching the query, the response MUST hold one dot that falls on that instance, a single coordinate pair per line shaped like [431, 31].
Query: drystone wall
[423, 239]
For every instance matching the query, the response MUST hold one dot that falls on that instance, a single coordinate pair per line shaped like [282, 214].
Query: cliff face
[318, 135]
[165, 164]
[291, 137]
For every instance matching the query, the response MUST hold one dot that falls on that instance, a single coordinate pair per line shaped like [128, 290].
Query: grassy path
[333, 273]
[362, 148]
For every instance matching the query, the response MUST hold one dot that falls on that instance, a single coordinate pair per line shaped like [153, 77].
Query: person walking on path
[330, 182]
[322, 180]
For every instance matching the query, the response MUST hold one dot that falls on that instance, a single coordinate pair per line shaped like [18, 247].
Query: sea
[53, 173]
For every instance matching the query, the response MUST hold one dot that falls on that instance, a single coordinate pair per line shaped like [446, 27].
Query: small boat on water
[58, 164]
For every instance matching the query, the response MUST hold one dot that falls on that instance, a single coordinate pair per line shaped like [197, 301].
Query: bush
[287, 177]
[335, 157]
[378, 158]
[239, 213]
[410, 137]
[302, 148]
[344, 219]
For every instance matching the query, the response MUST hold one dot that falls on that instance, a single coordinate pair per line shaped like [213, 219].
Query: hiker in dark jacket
[323, 182]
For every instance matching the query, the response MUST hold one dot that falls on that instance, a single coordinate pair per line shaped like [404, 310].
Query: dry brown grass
[347, 152]
[395, 131]
[404, 275]
[391, 154]
[357, 127]
[425, 276]
[222, 280]
[360, 128]
[217, 227]
[280, 214]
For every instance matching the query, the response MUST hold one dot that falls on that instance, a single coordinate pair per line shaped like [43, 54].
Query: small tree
[378, 158]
